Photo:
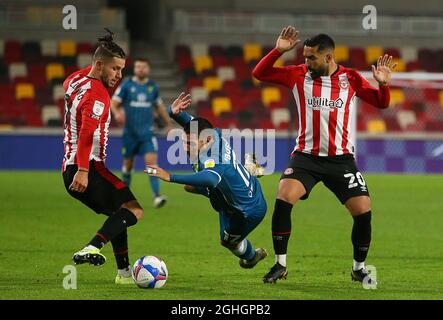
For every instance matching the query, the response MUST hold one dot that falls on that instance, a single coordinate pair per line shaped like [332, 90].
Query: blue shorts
[133, 146]
[236, 227]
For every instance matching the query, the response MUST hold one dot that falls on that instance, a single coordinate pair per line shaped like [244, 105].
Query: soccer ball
[150, 272]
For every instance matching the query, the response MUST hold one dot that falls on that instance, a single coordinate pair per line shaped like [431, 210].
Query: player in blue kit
[133, 105]
[234, 193]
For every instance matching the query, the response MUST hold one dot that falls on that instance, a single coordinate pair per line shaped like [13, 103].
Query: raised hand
[156, 171]
[382, 72]
[287, 40]
[181, 103]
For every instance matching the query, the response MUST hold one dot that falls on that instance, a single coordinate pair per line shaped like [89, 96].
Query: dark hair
[142, 59]
[323, 41]
[107, 48]
[202, 124]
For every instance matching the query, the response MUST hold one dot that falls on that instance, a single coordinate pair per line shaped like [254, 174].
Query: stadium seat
[199, 94]
[83, 60]
[405, 118]
[234, 51]
[12, 51]
[54, 70]
[58, 92]
[108, 16]
[220, 105]
[252, 51]
[409, 53]
[17, 69]
[357, 57]
[401, 65]
[376, 126]
[269, 95]
[67, 48]
[199, 50]
[48, 47]
[50, 112]
[24, 91]
[216, 50]
[212, 83]
[397, 97]
[85, 47]
[31, 51]
[341, 53]
[372, 54]
[394, 52]
[202, 63]
[226, 73]
[279, 116]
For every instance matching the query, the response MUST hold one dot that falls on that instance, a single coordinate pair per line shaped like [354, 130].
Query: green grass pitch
[41, 227]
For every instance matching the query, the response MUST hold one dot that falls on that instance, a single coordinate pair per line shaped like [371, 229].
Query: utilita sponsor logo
[319, 103]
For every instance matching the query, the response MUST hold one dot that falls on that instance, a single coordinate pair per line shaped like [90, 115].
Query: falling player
[234, 193]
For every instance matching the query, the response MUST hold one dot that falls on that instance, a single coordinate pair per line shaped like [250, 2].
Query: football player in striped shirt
[325, 96]
[86, 178]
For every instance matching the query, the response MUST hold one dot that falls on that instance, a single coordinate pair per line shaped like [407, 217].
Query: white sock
[124, 272]
[281, 259]
[91, 247]
[241, 248]
[358, 265]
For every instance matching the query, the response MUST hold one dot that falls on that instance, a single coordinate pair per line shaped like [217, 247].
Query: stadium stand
[221, 78]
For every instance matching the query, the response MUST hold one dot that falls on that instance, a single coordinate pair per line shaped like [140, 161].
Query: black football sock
[281, 226]
[113, 226]
[361, 236]
[120, 247]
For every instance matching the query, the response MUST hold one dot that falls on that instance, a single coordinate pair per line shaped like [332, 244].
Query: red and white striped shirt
[87, 119]
[325, 104]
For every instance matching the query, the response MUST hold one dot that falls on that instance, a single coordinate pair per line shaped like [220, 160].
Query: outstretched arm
[205, 179]
[176, 109]
[265, 70]
[382, 74]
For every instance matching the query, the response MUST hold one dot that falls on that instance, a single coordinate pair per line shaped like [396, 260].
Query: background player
[87, 118]
[325, 97]
[139, 96]
[234, 193]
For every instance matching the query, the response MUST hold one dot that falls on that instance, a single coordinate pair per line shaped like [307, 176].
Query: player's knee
[139, 213]
[290, 190]
[135, 208]
[358, 205]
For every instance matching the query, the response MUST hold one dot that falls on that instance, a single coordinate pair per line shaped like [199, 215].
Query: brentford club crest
[344, 84]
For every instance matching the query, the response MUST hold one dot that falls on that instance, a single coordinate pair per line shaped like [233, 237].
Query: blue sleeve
[183, 118]
[206, 178]
[121, 92]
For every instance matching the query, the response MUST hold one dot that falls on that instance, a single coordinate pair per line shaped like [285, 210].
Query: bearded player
[86, 126]
[325, 95]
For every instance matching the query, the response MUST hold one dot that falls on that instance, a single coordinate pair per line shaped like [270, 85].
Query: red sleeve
[82, 72]
[378, 98]
[92, 109]
[265, 70]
